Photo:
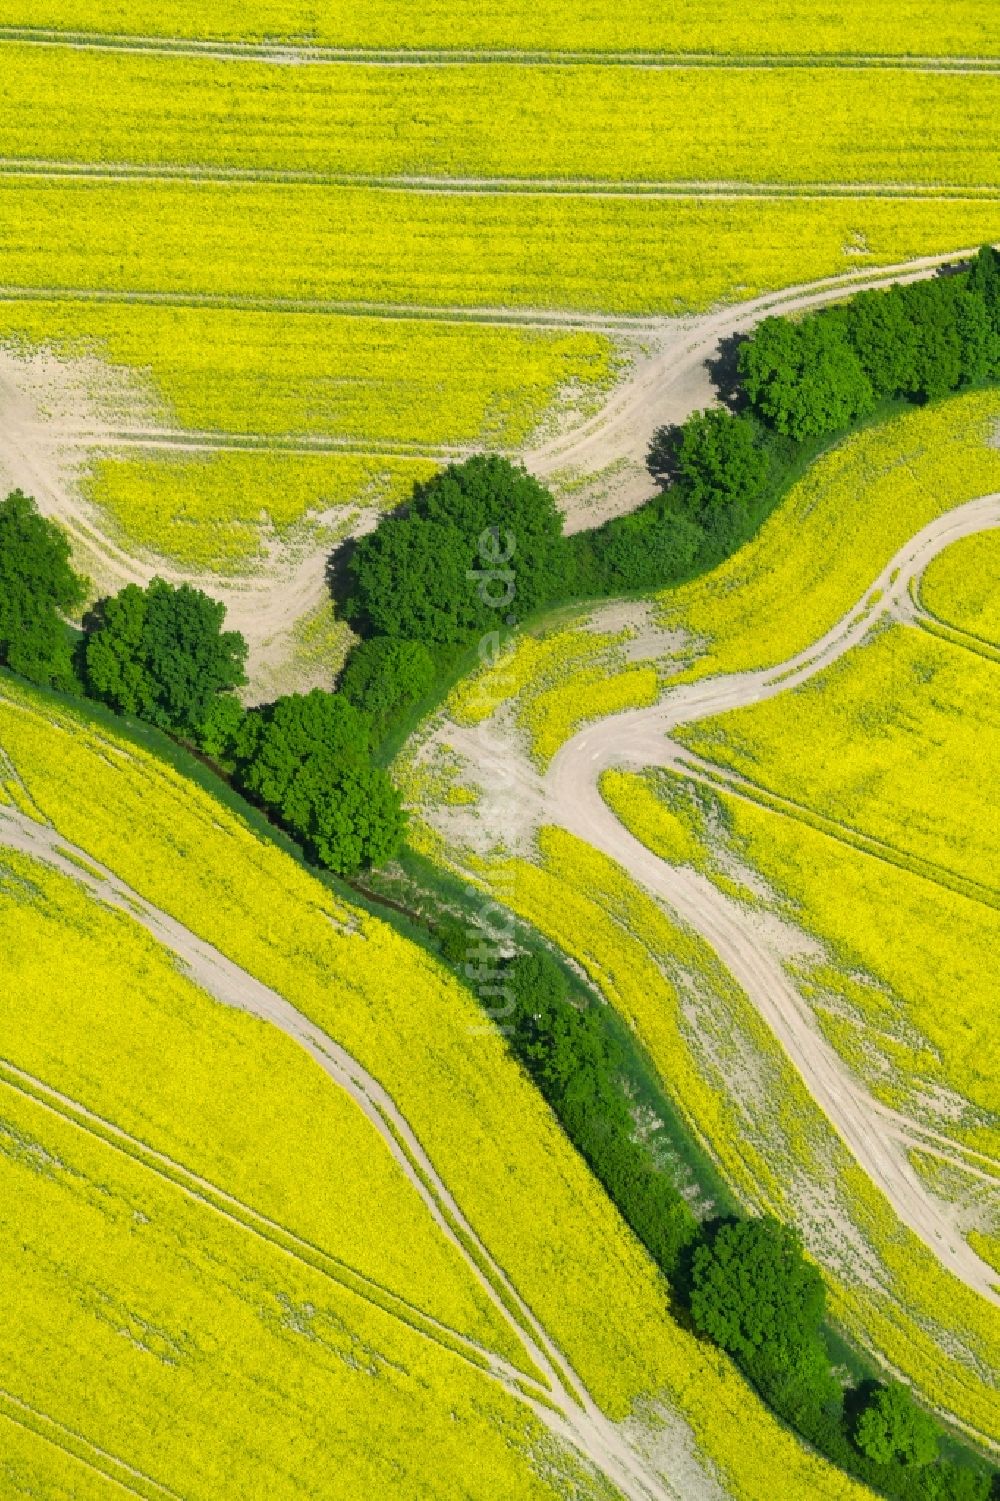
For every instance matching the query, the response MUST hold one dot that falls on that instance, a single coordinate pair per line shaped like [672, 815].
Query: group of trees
[162, 655]
[814, 377]
[799, 383]
[480, 542]
[745, 1284]
[306, 758]
[38, 589]
[578, 1068]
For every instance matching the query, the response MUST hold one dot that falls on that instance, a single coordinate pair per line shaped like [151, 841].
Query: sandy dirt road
[568, 795]
[298, 51]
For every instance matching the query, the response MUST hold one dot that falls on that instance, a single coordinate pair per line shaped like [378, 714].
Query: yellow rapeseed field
[463, 250]
[895, 740]
[221, 511]
[31, 1464]
[396, 390]
[894, 943]
[154, 1328]
[406, 1020]
[386, 1001]
[835, 532]
[628, 125]
[413, 383]
[112, 1024]
[960, 586]
[960, 28]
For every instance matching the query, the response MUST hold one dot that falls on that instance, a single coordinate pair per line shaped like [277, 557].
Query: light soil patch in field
[43, 401]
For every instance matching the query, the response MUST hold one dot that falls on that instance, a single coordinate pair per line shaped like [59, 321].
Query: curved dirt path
[663, 386]
[639, 738]
[668, 385]
[573, 1416]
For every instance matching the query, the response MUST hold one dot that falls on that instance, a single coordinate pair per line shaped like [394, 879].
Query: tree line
[798, 384]
[745, 1284]
[479, 548]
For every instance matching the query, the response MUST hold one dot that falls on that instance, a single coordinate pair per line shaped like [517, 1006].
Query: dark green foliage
[562, 1043]
[305, 758]
[383, 677]
[754, 1292]
[219, 734]
[805, 378]
[347, 816]
[37, 586]
[717, 462]
[885, 337]
[892, 1427]
[479, 543]
[951, 1482]
[453, 939]
[920, 341]
[294, 732]
[984, 284]
[646, 549]
[800, 1385]
[161, 654]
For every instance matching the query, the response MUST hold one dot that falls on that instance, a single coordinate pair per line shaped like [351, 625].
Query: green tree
[382, 677]
[953, 1482]
[221, 731]
[718, 461]
[805, 378]
[935, 308]
[800, 1385]
[37, 587]
[891, 1427]
[885, 339]
[161, 654]
[305, 758]
[349, 815]
[754, 1292]
[984, 283]
[645, 549]
[480, 545]
[294, 731]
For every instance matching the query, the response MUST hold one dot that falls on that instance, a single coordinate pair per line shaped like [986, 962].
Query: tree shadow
[337, 573]
[857, 1398]
[723, 369]
[661, 456]
[724, 372]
